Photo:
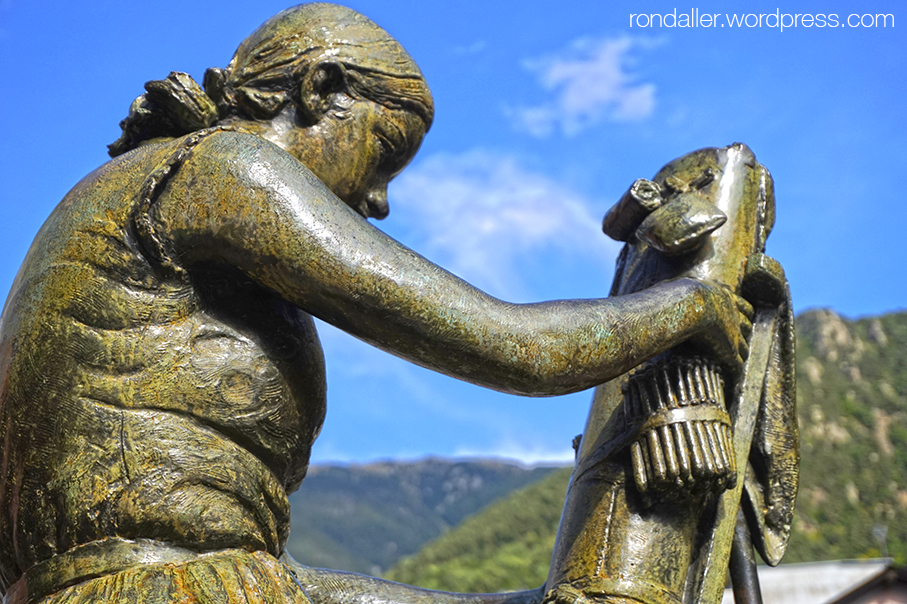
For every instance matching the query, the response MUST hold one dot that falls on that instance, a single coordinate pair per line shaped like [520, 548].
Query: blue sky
[546, 112]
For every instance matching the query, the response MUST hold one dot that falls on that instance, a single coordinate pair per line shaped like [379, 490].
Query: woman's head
[269, 66]
[322, 65]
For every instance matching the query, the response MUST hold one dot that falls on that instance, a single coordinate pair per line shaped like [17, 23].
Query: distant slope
[362, 518]
[852, 403]
[852, 393]
[498, 548]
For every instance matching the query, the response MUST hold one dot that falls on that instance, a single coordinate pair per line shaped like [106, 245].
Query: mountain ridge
[363, 517]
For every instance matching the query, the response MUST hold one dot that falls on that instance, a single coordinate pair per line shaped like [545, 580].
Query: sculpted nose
[376, 199]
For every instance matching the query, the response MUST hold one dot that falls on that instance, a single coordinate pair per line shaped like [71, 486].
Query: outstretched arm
[245, 202]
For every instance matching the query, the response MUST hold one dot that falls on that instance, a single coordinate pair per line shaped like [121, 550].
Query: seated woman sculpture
[162, 379]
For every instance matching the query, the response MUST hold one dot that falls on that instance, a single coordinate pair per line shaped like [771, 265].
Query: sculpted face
[356, 148]
[355, 103]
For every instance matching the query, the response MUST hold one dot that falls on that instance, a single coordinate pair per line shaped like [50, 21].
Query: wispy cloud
[471, 49]
[591, 81]
[521, 452]
[481, 215]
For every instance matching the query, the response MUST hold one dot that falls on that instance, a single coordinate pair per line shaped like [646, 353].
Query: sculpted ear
[317, 87]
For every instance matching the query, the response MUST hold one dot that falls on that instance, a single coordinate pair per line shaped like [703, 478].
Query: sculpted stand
[162, 382]
[663, 462]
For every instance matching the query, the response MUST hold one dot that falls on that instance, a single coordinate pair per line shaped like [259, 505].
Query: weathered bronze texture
[671, 448]
[162, 379]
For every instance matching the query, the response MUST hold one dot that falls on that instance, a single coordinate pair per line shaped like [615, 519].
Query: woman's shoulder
[233, 157]
[229, 144]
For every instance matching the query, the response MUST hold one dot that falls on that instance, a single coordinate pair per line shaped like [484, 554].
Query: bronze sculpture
[689, 435]
[163, 381]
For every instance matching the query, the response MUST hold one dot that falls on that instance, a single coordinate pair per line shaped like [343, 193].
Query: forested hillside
[505, 547]
[852, 392]
[364, 517]
[852, 404]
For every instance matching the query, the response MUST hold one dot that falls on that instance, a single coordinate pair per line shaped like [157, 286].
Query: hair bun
[171, 107]
[219, 90]
[183, 100]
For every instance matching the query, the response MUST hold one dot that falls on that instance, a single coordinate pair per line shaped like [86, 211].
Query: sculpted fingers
[726, 325]
[745, 308]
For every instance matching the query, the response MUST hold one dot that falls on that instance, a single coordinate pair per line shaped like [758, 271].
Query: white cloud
[483, 215]
[472, 49]
[521, 453]
[591, 81]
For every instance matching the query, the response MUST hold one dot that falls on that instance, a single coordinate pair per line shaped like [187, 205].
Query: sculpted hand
[728, 323]
[764, 283]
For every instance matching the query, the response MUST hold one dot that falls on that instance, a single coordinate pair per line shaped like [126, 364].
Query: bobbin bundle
[684, 443]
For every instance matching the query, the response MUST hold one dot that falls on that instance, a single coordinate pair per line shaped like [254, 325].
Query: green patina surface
[162, 378]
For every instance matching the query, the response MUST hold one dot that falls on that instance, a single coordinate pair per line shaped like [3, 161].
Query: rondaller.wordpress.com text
[777, 20]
